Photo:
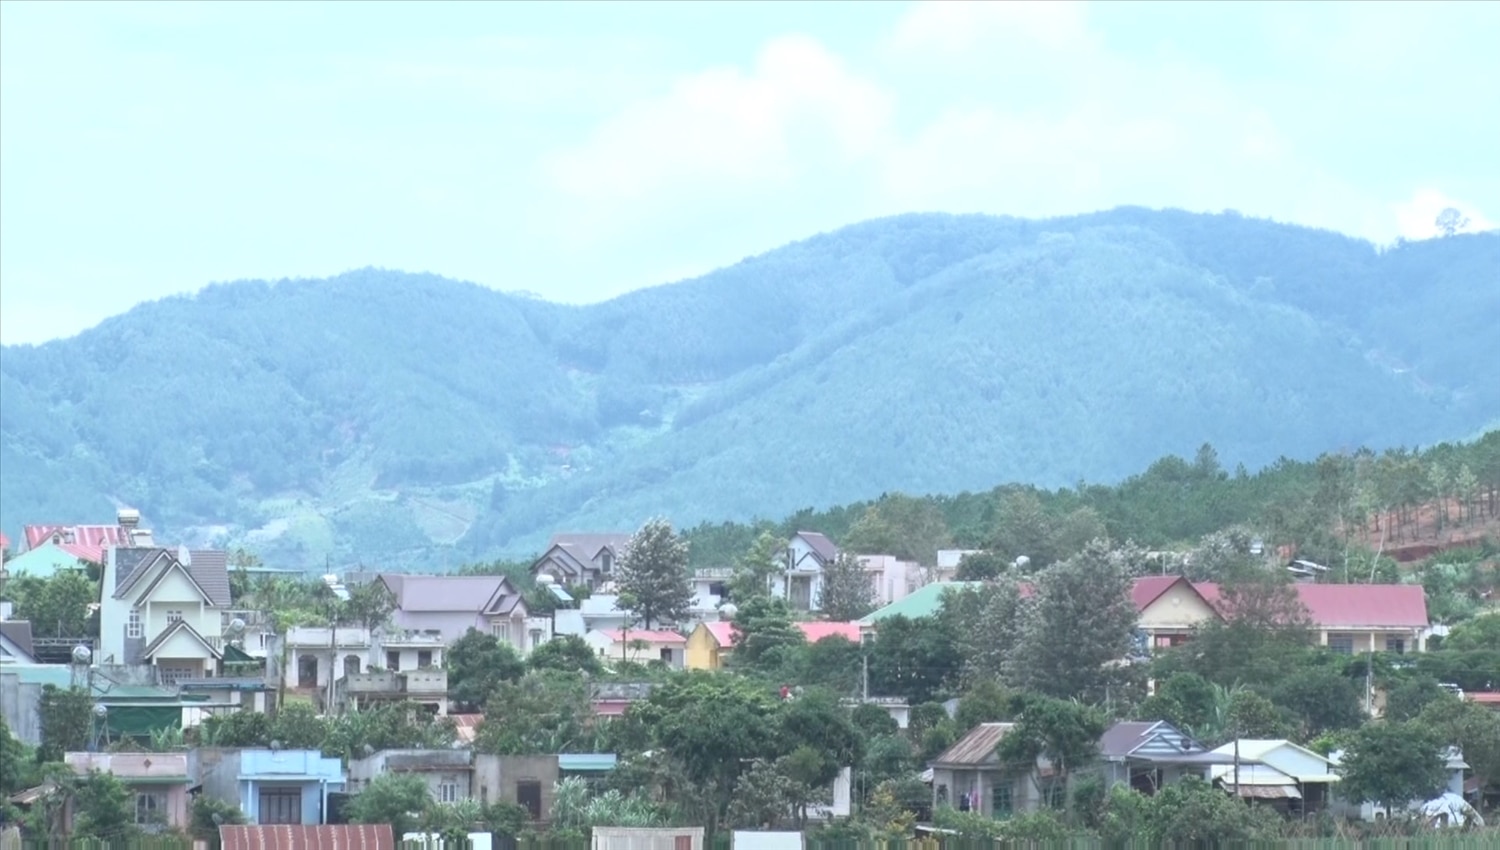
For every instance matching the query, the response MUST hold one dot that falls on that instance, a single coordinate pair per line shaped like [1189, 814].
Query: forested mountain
[390, 417]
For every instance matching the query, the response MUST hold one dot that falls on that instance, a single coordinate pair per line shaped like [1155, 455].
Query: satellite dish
[82, 654]
[236, 627]
[1022, 562]
[100, 710]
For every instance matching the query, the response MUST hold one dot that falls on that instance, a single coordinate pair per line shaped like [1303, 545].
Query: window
[392, 660]
[171, 675]
[606, 562]
[280, 806]
[1055, 795]
[1396, 645]
[133, 624]
[448, 792]
[536, 638]
[1343, 644]
[501, 630]
[150, 809]
[173, 617]
[1000, 801]
[424, 658]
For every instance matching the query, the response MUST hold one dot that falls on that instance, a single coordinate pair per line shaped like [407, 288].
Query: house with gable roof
[449, 606]
[582, 559]
[808, 553]
[164, 608]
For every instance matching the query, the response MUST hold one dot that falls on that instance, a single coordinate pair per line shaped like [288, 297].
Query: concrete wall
[629, 838]
[18, 704]
[497, 777]
[436, 767]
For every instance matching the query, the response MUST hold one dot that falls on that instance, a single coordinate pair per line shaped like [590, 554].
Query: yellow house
[709, 644]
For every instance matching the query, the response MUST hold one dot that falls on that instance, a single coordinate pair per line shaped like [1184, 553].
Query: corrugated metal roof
[977, 747]
[923, 602]
[341, 837]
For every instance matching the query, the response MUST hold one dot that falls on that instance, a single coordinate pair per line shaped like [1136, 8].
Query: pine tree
[847, 593]
[653, 574]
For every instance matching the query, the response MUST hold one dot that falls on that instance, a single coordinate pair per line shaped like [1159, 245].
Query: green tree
[57, 606]
[756, 567]
[988, 623]
[15, 762]
[542, 712]
[913, 658]
[846, 593]
[713, 727]
[1064, 733]
[763, 632]
[1186, 700]
[1471, 727]
[67, 718]
[912, 529]
[477, 663]
[209, 813]
[103, 807]
[1451, 221]
[1080, 626]
[370, 605]
[566, 654]
[1407, 700]
[981, 566]
[653, 574]
[399, 799]
[1391, 764]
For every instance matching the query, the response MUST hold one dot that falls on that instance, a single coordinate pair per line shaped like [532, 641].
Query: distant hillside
[406, 419]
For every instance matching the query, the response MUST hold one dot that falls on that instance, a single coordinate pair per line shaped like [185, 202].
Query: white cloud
[725, 129]
[949, 28]
[1416, 218]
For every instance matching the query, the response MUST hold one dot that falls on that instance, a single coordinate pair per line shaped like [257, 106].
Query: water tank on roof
[128, 517]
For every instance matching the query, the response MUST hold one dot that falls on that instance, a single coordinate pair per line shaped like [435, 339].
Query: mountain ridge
[386, 416]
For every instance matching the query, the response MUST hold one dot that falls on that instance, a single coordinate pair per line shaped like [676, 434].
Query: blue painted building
[287, 786]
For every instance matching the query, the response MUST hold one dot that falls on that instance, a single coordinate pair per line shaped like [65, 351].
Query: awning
[1270, 792]
[235, 655]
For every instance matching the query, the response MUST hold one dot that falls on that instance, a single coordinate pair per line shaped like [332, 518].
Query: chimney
[141, 537]
[129, 518]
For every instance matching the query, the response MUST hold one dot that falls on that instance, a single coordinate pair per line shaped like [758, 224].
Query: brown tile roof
[341, 837]
[976, 747]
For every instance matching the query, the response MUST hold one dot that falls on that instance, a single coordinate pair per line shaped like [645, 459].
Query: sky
[579, 151]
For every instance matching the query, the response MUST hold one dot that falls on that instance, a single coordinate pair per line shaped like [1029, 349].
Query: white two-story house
[807, 553]
[164, 608]
[582, 559]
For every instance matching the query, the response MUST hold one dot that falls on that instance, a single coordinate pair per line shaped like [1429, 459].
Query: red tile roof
[4, 541]
[1484, 697]
[95, 538]
[722, 632]
[1144, 591]
[641, 634]
[815, 632]
[1399, 606]
[341, 837]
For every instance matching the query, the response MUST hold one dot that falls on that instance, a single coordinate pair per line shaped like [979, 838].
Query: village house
[710, 644]
[586, 560]
[156, 782]
[638, 646]
[163, 608]
[270, 786]
[448, 774]
[451, 605]
[890, 577]
[1287, 776]
[808, 553]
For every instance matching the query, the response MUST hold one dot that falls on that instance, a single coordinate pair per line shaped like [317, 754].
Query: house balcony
[416, 683]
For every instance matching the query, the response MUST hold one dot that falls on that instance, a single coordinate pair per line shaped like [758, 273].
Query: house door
[529, 797]
[802, 594]
[281, 806]
[307, 671]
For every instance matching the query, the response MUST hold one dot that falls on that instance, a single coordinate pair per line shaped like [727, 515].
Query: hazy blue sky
[580, 151]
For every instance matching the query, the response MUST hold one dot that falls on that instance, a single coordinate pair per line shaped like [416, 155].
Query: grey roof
[586, 547]
[1150, 740]
[442, 593]
[820, 544]
[1121, 738]
[18, 632]
[129, 560]
[505, 599]
[977, 747]
[210, 568]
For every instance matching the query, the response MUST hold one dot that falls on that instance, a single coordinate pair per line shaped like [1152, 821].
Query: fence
[1485, 840]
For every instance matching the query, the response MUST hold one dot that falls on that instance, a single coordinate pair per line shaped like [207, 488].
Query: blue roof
[587, 761]
[560, 594]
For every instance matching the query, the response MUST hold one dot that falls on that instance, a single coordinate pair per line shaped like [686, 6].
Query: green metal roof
[44, 561]
[924, 602]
